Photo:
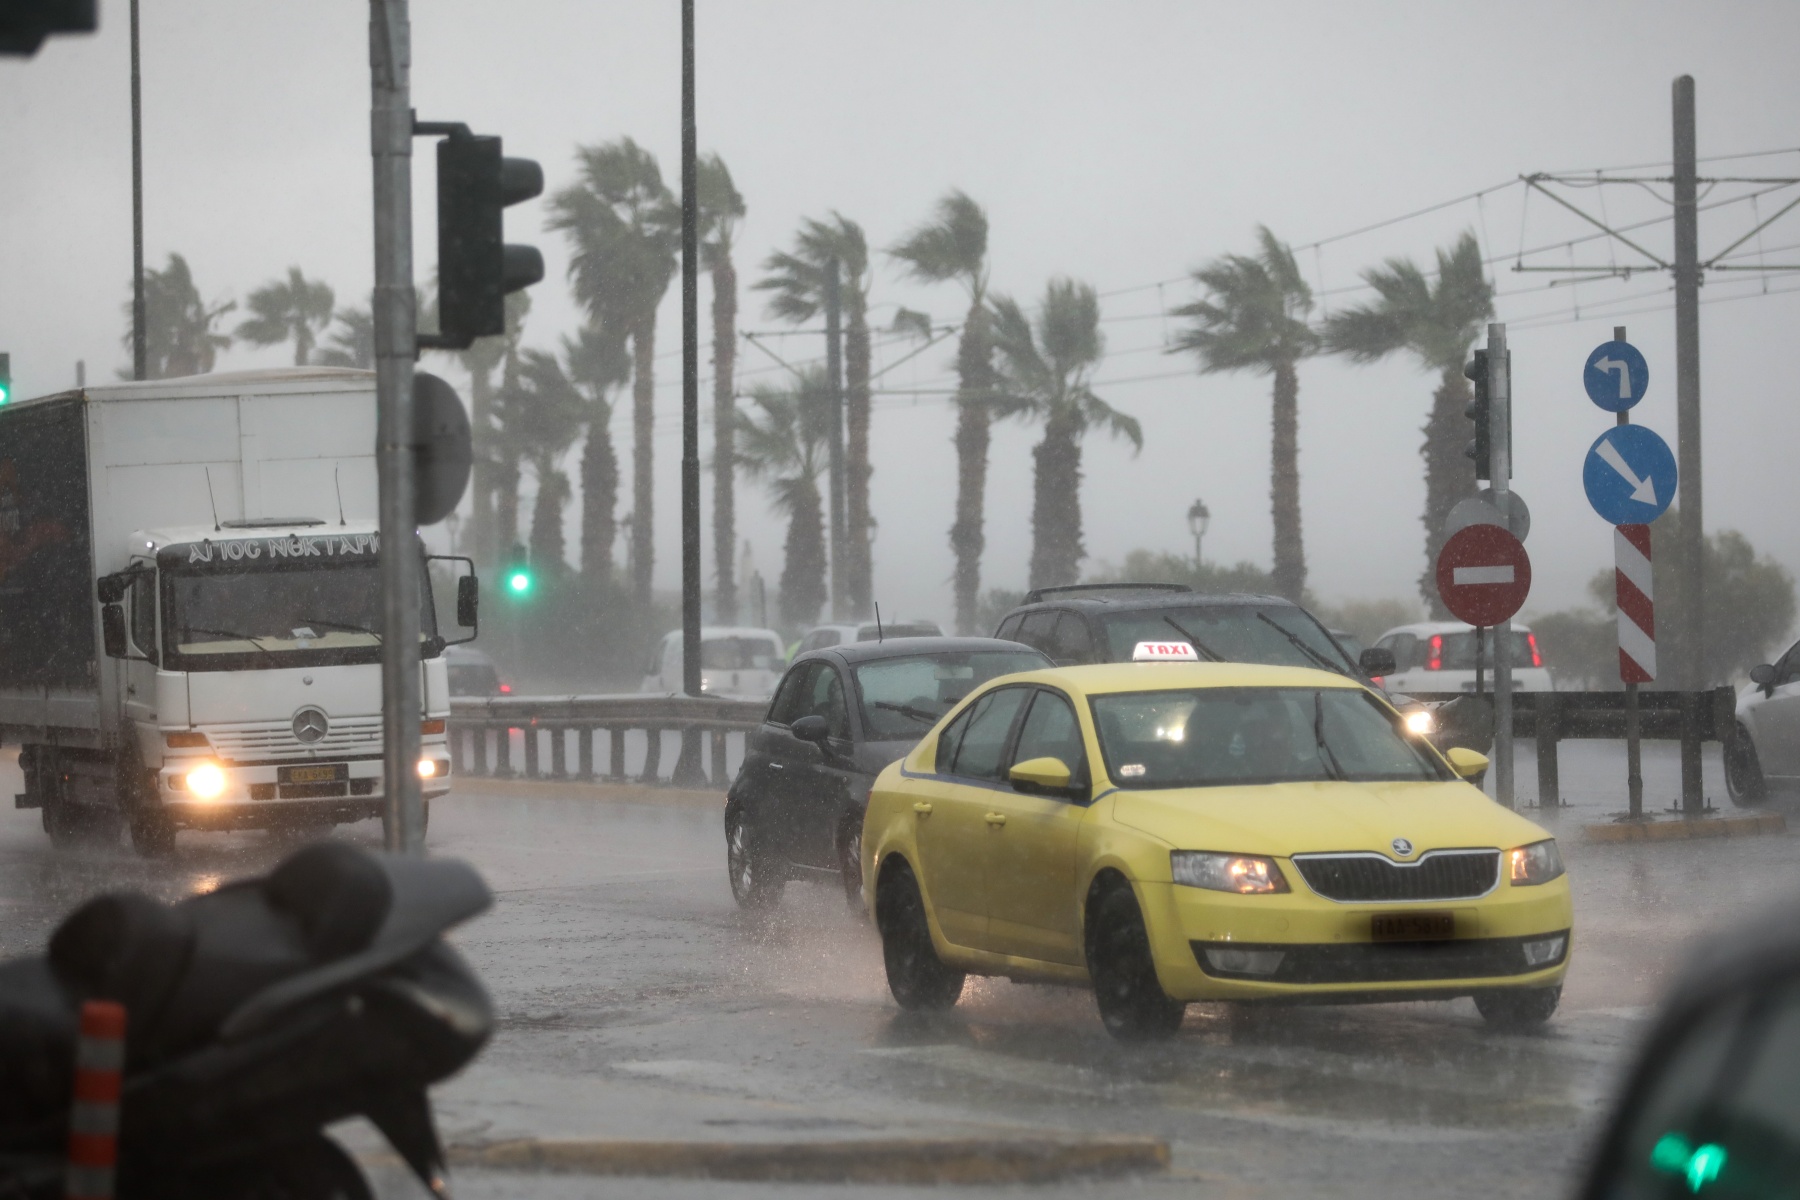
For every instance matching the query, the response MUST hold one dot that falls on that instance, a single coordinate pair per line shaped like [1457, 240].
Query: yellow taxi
[1172, 831]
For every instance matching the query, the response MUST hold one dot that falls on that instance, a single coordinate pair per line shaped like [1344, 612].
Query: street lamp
[1198, 519]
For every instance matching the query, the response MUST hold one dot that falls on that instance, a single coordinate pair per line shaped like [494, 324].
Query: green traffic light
[519, 582]
[1699, 1166]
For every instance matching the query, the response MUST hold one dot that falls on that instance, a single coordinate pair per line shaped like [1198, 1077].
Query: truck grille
[275, 739]
[1437, 875]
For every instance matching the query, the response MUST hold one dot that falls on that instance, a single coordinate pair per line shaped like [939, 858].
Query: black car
[1104, 622]
[839, 716]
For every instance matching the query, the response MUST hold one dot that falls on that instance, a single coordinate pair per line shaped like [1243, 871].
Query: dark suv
[1095, 622]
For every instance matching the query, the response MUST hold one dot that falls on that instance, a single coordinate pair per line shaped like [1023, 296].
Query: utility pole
[396, 334]
[1499, 364]
[690, 369]
[834, 379]
[1687, 388]
[139, 353]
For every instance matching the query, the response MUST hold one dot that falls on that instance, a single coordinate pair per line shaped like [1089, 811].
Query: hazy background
[1122, 143]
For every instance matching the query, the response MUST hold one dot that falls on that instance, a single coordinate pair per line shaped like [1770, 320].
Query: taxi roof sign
[1164, 652]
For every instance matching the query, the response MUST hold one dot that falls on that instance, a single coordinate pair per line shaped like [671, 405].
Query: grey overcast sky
[1123, 143]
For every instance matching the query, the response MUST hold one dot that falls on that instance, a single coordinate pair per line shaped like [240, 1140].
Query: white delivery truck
[190, 625]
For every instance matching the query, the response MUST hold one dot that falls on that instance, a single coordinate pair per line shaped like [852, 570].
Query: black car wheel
[1743, 770]
[849, 851]
[1518, 1008]
[1132, 1003]
[756, 880]
[916, 976]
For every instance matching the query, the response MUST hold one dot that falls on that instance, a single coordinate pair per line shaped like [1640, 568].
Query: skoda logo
[310, 725]
[1401, 846]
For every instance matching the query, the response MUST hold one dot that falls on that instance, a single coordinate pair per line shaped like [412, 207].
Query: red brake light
[506, 689]
[1537, 660]
[1434, 656]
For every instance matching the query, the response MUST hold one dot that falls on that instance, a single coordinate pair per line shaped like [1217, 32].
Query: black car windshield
[286, 616]
[1211, 737]
[902, 698]
[1245, 633]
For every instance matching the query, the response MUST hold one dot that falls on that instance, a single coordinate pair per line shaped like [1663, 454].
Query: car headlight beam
[1246, 874]
[1537, 863]
[1420, 722]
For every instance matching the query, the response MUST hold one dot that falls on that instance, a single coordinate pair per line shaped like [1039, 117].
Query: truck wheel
[756, 881]
[152, 835]
[916, 976]
[1133, 1005]
[1517, 1008]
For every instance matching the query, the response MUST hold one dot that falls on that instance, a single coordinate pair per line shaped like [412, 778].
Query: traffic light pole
[396, 331]
[139, 355]
[834, 384]
[1499, 364]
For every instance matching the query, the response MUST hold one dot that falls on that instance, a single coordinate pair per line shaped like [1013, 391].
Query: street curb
[1683, 830]
[471, 786]
[879, 1161]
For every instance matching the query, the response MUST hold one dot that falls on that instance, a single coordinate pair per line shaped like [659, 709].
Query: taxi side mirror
[1465, 762]
[1040, 775]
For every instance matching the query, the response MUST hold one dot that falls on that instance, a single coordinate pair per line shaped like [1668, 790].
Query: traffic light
[5, 378]
[1480, 450]
[517, 577]
[476, 268]
[24, 24]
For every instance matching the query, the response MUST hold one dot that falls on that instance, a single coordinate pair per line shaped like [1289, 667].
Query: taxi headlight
[1537, 863]
[206, 781]
[1243, 873]
[1420, 723]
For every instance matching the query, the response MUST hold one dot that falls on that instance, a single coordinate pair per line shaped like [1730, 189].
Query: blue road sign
[1629, 475]
[1616, 376]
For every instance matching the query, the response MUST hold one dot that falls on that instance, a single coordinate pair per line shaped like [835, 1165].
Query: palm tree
[598, 363]
[797, 279]
[1253, 317]
[352, 341]
[1437, 322]
[952, 247]
[625, 229]
[785, 444]
[178, 326]
[721, 208]
[1044, 372]
[295, 307]
[490, 476]
[540, 414]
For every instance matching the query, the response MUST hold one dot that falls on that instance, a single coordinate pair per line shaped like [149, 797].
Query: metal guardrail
[481, 728]
[1552, 717]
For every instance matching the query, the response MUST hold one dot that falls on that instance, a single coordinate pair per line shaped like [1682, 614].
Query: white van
[1439, 656]
[742, 662]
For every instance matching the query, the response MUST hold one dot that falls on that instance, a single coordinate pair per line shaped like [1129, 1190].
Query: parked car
[473, 673]
[1167, 832]
[840, 716]
[1095, 623]
[1439, 656]
[1764, 751]
[821, 636]
[741, 662]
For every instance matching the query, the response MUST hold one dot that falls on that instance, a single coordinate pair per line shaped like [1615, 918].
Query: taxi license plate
[1413, 927]
[324, 773]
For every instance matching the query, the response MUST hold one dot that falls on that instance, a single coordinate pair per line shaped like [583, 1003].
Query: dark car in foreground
[838, 717]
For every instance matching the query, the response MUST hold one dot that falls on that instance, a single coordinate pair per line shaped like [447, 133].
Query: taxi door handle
[996, 818]
[922, 808]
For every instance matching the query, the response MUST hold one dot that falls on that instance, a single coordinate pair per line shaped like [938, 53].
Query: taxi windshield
[904, 697]
[1211, 737]
[1279, 635]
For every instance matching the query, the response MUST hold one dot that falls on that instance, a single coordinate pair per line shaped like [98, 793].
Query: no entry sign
[1483, 574]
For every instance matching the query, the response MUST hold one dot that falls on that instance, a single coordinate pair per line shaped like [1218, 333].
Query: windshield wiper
[1305, 649]
[342, 625]
[1331, 762]
[235, 636]
[907, 710]
[1195, 642]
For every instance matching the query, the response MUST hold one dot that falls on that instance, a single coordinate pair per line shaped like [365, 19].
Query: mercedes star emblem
[310, 725]
[1401, 846]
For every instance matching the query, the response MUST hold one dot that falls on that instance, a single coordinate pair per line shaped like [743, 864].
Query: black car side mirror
[812, 728]
[1377, 661]
[1763, 676]
[112, 631]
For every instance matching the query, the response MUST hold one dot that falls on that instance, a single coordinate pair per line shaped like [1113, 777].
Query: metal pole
[396, 332]
[834, 373]
[1634, 748]
[139, 352]
[1691, 566]
[1500, 459]
[690, 370]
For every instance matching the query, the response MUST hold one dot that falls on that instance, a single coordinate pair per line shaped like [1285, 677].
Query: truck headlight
[431, 768]
[1537, 863]
[1243, 873]
[206, 781]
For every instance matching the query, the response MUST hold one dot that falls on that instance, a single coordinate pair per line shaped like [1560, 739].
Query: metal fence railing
[687, 740]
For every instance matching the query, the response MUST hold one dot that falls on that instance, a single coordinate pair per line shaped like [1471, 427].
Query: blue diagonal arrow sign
[1629, 475]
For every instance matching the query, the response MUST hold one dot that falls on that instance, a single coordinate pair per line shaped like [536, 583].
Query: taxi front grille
[1390, 962]
[272, 740]
[1437, 875]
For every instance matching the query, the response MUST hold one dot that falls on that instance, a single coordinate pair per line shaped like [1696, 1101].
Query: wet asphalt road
[636, 1001]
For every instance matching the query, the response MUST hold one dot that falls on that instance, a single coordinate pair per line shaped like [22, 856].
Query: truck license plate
[324, 773]
[1413, 927]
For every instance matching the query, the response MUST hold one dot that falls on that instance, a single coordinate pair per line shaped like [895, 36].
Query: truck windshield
[280, 615]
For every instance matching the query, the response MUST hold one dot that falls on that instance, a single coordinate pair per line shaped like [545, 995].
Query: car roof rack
[1037, 594]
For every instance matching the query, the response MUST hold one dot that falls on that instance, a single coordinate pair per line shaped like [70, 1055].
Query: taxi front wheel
[1518, 1008]
[1132, 1003]
[916, 976]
